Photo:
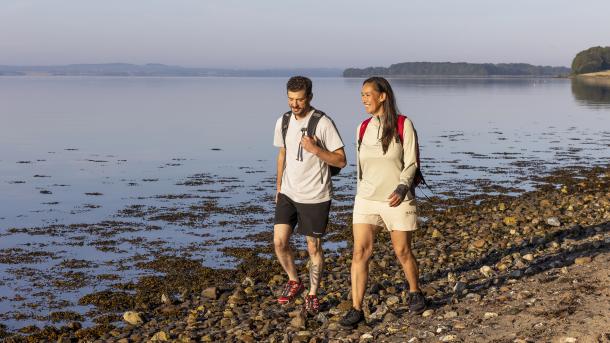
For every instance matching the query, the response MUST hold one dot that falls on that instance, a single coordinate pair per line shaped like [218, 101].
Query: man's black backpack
[311, 130]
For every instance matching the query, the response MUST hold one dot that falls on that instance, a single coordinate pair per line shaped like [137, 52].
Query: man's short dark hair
[299, 83]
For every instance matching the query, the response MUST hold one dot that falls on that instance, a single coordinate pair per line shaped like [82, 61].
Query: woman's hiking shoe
[312, 304]
[417, 302]
[352, 318]
[291, 290]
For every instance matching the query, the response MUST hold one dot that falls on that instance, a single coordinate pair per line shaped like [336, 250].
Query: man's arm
[335, 158]
[281, 158]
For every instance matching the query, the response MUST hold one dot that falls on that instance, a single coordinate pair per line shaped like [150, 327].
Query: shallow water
[139, 153]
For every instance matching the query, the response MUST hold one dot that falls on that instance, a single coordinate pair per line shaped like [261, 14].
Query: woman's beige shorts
[400, 218]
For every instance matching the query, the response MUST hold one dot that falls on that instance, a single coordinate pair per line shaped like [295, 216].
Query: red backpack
[419, 177]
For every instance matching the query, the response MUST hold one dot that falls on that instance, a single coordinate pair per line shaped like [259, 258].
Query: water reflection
[592, 92]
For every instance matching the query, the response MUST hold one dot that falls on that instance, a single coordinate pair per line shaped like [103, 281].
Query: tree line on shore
[458, 69]
[592, 60]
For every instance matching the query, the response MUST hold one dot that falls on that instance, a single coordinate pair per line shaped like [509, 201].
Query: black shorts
[311, 218]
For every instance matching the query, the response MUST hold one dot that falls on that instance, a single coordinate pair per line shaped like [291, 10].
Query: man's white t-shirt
[307, 181]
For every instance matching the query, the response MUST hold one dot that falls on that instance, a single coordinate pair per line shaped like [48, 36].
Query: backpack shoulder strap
[363, 126]
[313, 122]
[285, 121]
[401, 127]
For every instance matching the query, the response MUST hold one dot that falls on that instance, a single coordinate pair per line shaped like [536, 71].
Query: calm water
[79, 150]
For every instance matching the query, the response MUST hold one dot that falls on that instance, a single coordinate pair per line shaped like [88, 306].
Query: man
[304, 186]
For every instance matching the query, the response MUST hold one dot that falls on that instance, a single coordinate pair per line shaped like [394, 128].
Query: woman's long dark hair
[390, 119]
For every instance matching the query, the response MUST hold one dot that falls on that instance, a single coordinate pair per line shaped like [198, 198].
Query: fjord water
[90, 133]
[78, 150]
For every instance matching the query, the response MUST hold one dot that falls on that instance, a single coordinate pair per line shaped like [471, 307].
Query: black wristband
[401, 190]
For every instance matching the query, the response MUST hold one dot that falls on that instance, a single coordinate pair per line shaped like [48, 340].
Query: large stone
[298, 321]
[582, 260]
[437, 234]
[379, 312]
[133, 318]
[210, 293]
[449, 338]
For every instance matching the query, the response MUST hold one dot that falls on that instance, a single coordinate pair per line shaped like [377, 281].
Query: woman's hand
[398, 195]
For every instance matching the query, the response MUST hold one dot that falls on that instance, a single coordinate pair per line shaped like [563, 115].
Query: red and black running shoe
[291, 290]
[312, 304]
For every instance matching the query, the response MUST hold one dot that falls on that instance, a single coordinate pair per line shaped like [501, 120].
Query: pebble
[392, 300]
[486, 270]
[515, 274]
[479, 243]
[489, 315]
[449, 338]
[366, 337]
[545, 203]
[427, 313]
[509, 221]
[459, 287]
[450, 314]
[583, 260]
[321, 317]
[160, 336]
[528, 257]
[389, 318]
[165, 299]
[553, 221]
[133, 318]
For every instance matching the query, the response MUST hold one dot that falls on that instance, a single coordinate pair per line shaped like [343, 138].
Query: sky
[257, 34]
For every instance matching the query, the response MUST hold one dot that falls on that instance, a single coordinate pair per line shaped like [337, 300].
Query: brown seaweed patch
[109, 300]
[71, 280]
[108, 277]
[64, 316]
[18, 256]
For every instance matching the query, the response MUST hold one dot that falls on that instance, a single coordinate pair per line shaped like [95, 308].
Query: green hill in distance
[458, 69]
[592, 60]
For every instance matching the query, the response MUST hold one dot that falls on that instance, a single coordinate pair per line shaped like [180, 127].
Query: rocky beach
[494, 268]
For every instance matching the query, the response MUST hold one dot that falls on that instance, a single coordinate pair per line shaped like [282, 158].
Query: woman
[387, 165]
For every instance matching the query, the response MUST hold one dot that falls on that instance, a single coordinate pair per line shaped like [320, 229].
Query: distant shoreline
[404, 77]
